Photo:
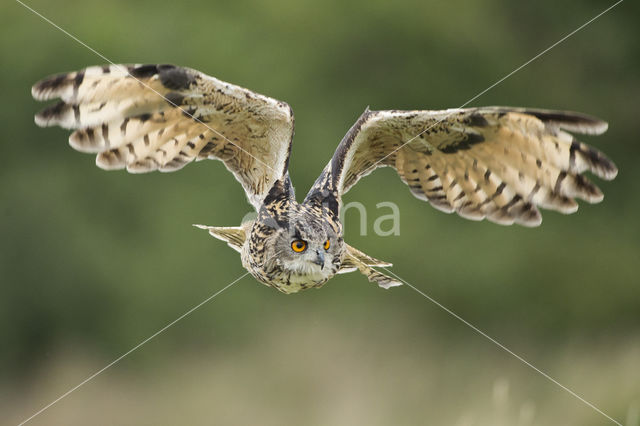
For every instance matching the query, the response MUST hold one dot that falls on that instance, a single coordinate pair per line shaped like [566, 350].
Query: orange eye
[327, 244]
[299, 246]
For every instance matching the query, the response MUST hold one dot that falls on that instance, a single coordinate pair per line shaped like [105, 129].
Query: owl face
[309, 246]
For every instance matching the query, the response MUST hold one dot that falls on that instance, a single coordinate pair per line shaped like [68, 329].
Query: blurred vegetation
[92, 262]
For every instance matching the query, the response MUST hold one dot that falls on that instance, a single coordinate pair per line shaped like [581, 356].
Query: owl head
[305, 242]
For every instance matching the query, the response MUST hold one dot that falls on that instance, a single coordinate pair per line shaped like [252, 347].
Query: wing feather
[499, 163]
[161, 117]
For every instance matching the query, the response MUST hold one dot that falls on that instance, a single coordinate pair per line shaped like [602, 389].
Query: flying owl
[498, 163]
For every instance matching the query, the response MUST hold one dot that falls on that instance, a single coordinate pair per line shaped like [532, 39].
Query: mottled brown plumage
[499, 163]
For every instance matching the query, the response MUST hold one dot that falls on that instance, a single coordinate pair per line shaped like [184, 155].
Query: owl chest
[292, 283]
[287, 281]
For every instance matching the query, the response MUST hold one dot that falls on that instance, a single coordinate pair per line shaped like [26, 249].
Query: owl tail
[233, 235]
[354, 259]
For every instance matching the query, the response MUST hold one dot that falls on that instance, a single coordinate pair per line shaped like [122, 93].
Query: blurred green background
[91, 262]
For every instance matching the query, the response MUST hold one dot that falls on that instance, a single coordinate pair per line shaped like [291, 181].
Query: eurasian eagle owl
[498, 163]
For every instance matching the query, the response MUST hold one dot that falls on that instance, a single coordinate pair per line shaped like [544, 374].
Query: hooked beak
[319, 260]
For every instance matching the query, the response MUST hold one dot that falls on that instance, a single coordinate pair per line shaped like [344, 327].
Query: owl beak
[319, 260]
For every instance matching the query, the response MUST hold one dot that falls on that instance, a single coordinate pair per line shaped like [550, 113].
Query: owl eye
[327, 244]
[298, 246]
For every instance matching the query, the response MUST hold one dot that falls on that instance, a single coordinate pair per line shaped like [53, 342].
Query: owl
[498, 163]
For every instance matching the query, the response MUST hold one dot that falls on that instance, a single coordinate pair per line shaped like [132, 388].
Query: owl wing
[161, 117]
[498, 163]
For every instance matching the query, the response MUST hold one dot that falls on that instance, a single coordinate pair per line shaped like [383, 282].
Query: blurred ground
[91, 262]
[334, 373]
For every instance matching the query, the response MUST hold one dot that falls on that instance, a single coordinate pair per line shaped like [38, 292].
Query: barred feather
[352, 256]
[353, 261]
[234, 236]
[162, 117]
[498, 163]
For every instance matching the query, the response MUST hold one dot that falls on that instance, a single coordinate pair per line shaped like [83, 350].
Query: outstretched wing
[497, 163]
[161, 117]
